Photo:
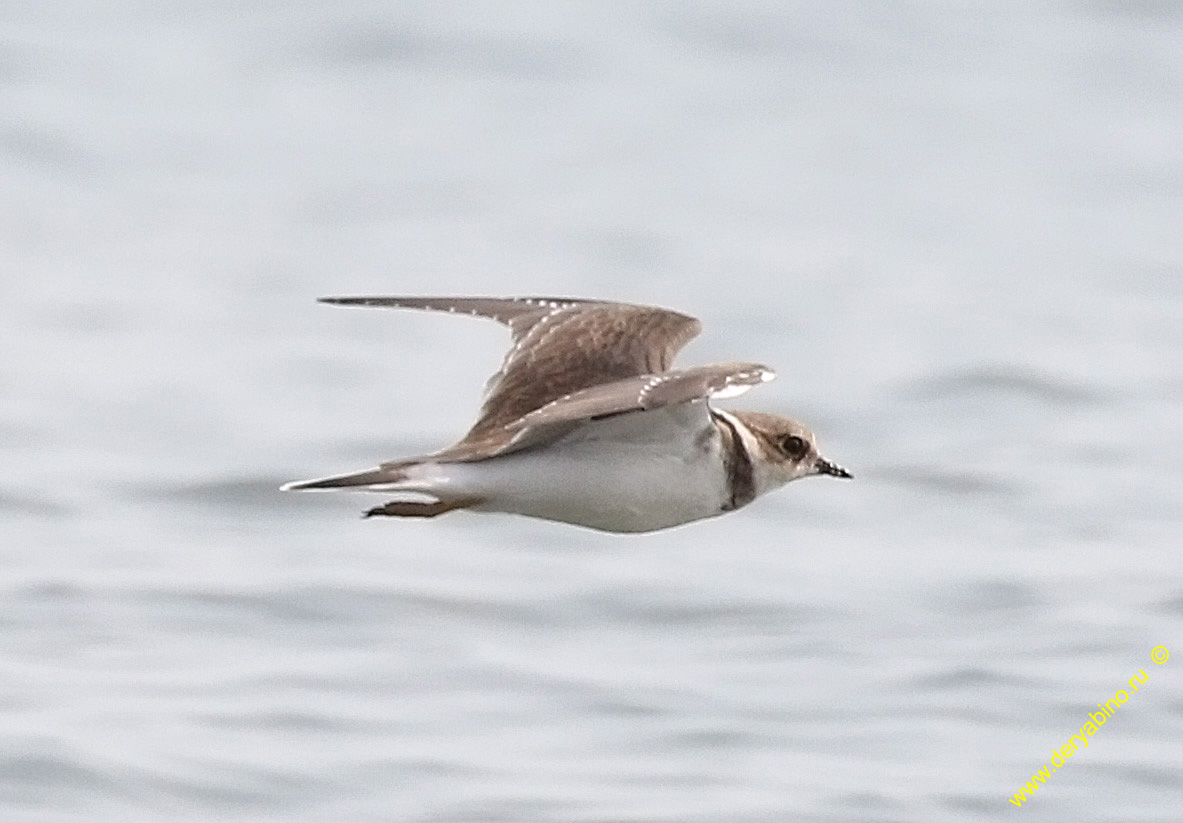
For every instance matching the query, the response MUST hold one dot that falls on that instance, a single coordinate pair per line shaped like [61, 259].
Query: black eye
[794, 446]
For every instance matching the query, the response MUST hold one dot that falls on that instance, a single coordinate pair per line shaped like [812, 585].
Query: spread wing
[647, 391]
[643, 392]
[561, 346]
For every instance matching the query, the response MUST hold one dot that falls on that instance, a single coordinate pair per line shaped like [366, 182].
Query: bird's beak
[824, 466]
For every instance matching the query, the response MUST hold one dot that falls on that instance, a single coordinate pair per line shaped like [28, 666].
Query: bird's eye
[794, 446]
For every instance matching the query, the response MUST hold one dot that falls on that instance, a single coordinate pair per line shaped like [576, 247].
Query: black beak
[824, 466]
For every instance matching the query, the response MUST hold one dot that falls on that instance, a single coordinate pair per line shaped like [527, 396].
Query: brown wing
[519, 313]
[561, 346]
[642, 392]
[647, 391]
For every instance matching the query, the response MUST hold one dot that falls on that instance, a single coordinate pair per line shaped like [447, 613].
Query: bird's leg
[407, 508]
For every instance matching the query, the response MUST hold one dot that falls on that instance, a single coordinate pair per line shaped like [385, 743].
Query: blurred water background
[955, 228]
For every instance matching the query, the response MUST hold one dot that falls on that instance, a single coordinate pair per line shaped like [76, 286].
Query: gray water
[955, 229]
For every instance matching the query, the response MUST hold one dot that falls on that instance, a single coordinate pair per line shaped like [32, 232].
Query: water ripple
[999, 381]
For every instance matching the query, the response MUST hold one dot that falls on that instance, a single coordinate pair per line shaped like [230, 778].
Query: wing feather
[561, 346]
[647, 391]
[643, 392]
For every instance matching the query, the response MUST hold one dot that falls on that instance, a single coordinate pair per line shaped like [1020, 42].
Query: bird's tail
[415, 479]
[384, 478]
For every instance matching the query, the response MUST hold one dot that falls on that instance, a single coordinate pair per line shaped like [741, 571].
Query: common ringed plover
[586, 423]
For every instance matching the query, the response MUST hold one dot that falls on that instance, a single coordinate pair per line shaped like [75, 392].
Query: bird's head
[787, 450]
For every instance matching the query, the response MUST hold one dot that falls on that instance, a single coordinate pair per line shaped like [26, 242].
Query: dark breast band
[737, 463]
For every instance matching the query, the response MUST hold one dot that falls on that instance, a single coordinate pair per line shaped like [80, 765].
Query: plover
[586, 423]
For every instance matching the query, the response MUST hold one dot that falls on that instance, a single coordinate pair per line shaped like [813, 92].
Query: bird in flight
[587, 423]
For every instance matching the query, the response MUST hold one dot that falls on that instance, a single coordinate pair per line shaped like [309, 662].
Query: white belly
[633, 473]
